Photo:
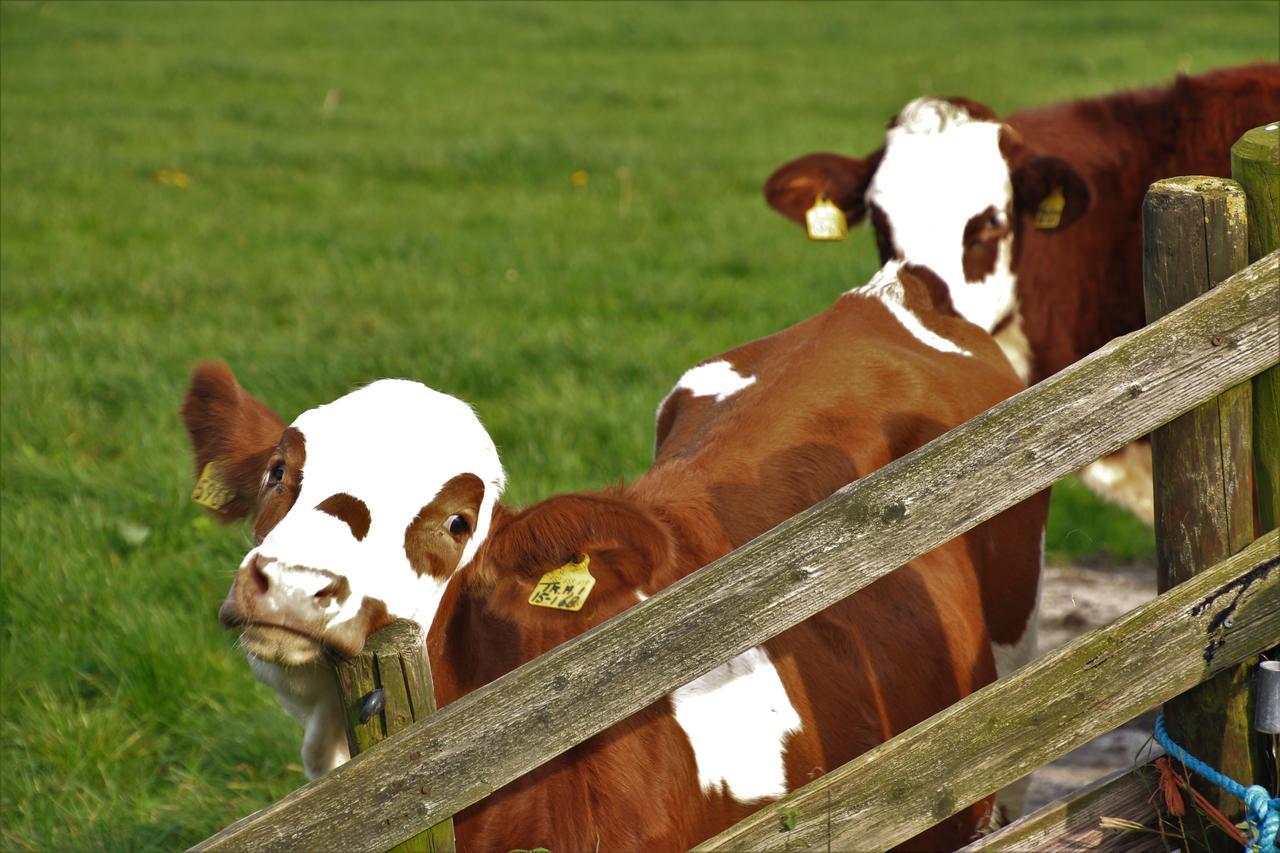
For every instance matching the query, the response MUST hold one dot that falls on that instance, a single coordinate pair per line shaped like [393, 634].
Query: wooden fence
[1131, 386]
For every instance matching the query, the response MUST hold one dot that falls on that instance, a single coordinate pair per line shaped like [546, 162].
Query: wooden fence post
[394, 661]
[1255, 163]
[1194, 236]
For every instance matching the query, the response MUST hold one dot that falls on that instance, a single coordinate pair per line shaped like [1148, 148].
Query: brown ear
[227, 426]
[1050, 192]
[794, 187]
[563, 529]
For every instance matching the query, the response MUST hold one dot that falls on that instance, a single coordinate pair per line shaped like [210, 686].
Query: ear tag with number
[565, 588]
[1049, 214]
[212, 490]
[825, 221]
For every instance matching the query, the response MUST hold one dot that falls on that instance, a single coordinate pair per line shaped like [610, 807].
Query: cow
[384, 504]
[1034, 220]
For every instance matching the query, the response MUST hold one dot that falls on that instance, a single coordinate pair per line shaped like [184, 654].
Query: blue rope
[1262, 810]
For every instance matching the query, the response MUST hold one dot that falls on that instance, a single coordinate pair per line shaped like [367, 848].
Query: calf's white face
[389, 491]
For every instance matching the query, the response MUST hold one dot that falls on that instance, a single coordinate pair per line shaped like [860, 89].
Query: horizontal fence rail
[1048, 708]
[474, 746]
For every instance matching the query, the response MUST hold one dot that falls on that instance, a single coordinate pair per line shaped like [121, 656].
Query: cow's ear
[621, 538]
[232, 438]
[1050, 192]
[794, 187]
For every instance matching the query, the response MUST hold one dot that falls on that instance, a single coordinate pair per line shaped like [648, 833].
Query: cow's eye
[276, 475]
[457, 525]
[995, 220]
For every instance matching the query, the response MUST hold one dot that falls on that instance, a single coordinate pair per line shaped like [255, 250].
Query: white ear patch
[941, 167]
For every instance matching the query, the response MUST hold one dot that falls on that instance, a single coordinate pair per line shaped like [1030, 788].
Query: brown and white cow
[383, 504]
[986, 202]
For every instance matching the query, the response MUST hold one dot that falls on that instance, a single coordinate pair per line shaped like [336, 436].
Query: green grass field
[423, 224]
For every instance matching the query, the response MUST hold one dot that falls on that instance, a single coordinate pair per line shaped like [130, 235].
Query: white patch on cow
[310, 696]
[737, 717]
[885, 287]
[1124, 478]
[940, 168]
[1011, 799]
[1013, 342]
[715, 378]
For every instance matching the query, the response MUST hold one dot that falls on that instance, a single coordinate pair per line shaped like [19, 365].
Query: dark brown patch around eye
[431, 549]
[276, 500]
[884, 234]
[349, 509]
[981, 243]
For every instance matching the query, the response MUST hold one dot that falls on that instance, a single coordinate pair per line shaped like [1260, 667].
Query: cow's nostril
[334, 590]
[259, 577]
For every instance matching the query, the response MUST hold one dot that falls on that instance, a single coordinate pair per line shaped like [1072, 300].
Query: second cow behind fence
[384, 504]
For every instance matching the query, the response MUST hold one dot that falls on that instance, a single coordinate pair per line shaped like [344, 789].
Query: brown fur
[836, 397]
[431, 548]
[350, 510]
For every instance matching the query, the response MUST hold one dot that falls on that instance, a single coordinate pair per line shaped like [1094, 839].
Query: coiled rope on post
[1261, 809]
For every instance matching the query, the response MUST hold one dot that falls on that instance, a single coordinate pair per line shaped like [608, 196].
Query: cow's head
[951, 189]
[364, 508]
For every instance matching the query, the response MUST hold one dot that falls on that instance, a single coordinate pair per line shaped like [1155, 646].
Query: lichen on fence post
[1194, 237]
[394, 661]
[1255, 164]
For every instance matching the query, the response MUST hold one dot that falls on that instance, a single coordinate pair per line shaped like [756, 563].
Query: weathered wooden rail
[474, 746]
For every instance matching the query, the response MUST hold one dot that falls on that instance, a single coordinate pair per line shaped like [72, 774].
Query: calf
[1033, 221]
[383, 504]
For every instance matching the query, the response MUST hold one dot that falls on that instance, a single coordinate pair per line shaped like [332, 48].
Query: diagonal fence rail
[866, 530]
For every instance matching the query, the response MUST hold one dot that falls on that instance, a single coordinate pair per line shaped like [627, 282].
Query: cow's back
[829, 401]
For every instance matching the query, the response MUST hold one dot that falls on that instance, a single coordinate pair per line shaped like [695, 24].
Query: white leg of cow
[1124, 478]
[1011, 799]
[310, 696]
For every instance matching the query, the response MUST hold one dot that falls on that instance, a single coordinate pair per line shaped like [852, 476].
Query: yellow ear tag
[825, 221]
[212, 490]
[1049, 214]
[565, 588]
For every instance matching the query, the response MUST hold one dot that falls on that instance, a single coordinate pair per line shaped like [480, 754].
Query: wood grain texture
[471, 747]
[1194, 235]
[1073, 823]
[394, 660]
[1255, 164]
[1046, 709]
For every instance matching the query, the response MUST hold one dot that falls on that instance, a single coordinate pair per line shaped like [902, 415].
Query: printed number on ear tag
[565, 588]
[1049, 214]
[212, 490]
[825, 221]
